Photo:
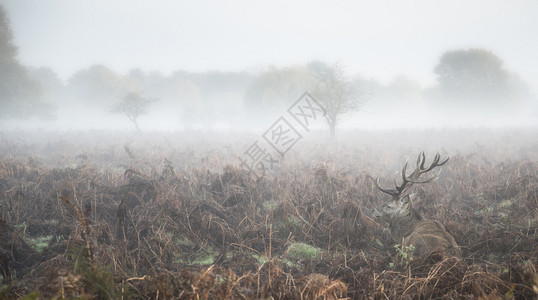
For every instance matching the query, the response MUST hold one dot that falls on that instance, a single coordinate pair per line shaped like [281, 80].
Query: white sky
[378, 39]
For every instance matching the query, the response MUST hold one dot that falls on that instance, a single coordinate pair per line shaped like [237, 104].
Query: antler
[408, 181]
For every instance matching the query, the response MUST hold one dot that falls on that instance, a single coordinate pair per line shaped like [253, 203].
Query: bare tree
[132, 105]
[337, 93]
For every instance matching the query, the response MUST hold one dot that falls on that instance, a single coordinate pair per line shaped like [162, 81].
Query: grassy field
[96, 215]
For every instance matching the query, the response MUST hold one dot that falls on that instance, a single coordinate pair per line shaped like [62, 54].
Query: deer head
[401, 204]
[406, 226]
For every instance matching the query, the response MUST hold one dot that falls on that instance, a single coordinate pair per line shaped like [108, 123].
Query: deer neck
[403, 224]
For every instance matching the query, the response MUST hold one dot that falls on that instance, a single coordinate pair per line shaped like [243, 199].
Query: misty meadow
[271, 150]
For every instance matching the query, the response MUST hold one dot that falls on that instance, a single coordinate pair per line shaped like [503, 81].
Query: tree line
[466, 78]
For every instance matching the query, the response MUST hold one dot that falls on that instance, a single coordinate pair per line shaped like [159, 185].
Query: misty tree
[336, 92]
[476, 79]
[273, 91]
[133, 105]
[52, 87]
[189, 97]
[20, 95]
[215, 83]
[471, 72]
[97, 85]
[399, 96]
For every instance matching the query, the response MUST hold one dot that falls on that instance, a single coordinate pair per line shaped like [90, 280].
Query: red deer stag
[406, 225]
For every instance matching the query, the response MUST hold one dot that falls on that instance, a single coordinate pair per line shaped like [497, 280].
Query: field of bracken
[97, 215]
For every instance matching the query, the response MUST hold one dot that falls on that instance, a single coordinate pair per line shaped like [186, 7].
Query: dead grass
[134, 222]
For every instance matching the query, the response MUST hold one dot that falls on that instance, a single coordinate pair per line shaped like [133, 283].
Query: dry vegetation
[172, 216]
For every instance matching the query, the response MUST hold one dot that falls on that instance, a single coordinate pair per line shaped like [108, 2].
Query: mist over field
[268, 149]
[238, 66]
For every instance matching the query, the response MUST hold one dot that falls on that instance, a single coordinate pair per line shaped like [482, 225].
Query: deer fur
[406, 225]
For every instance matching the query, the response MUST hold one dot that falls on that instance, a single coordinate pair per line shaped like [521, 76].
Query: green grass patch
[39, 243]
[205, 256]
[262, 259]
[183, 241]
[21, 226]
[270, 205]
[298, 251]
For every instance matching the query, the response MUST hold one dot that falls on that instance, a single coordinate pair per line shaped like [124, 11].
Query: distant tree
[135, 80]
[190, 102]
[20, 95]
[471, 72]
[47, 78]
[336, 92]
[132, 105]
[399, 96]
[475, 79]
[214, 83]
[403, 87]
[52, 88]
[211, 97]
[275, 89]
[97, 86]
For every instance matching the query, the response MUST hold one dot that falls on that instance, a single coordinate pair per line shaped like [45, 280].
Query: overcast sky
[378, 39]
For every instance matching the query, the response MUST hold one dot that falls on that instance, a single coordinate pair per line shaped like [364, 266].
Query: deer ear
[405, 199]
